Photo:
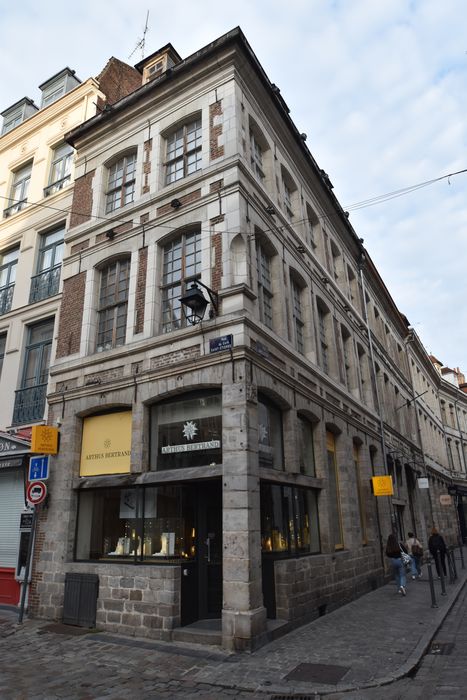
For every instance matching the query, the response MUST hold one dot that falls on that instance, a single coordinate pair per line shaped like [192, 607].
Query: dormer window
[17, 113]
[58, 85]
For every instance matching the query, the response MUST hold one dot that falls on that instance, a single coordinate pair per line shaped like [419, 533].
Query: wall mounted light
[270, 210]
[175, 204]
[110, 234]
[194, 303]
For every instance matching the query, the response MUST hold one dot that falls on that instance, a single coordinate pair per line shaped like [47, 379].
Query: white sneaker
[403, 591]
[413, 578]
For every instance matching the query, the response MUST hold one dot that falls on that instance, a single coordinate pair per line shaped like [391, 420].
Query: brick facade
[82, 199]
[215, 130]
[186, 199]
[71, 315]
[141, 290]
[117, 80]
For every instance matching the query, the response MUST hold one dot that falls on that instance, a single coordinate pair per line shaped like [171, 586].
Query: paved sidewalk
[370, 642]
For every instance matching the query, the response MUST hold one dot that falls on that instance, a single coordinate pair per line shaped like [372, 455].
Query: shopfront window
[187, 432]
[136, 524]
[270, 452]
[289, 520]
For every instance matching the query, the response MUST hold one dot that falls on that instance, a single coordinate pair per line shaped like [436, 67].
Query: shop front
[14, 456]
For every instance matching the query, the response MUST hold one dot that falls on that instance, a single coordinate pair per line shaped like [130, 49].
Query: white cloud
[379, 87]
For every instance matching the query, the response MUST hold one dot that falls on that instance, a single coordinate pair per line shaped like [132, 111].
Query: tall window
[323, 339]
[113, 305]
[256, 157]
[2, 350]
[30, 397]
[306, 447]
[8, 263]
[181, 264]
[270, 449]
[346, 351]
[184, 151]
[19, 190]
[121, 184]
[263, 261]
[60, 169]
[289, 520]
[288, 190]
[46, 282]
[297, 315]
[335, 516]
[361, 500]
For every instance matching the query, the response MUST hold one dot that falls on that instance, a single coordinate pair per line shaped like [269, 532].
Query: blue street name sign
[224, 342]
[38, 468]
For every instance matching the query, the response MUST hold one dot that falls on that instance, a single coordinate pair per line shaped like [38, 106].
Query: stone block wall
[134, 601]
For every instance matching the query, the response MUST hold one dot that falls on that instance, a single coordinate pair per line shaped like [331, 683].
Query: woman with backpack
[394, 551]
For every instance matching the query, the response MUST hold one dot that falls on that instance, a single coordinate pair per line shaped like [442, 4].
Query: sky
[378, 86]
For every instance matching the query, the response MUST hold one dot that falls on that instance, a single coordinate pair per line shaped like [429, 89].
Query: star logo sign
[263, 433]
[189, 430]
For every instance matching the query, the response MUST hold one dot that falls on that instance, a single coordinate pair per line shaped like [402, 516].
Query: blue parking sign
[38, 468]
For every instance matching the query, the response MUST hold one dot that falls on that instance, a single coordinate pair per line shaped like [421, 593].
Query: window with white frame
[297, 315]
[121, 183]
[60, 168]
[183, 155]
[256, 157]
[19, 190]
[8, 264]
[46, 281]
[113, 304]
[288, 192]
[312, 226]
[181, 265]
[265, 295]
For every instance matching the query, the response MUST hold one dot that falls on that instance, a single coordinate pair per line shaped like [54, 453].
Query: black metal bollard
[434, 604]
[454, 567]
[461, 550]
[449, 555]
[441, 573]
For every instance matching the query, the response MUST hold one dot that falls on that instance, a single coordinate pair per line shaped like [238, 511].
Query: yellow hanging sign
[382, 485]
[44, 439]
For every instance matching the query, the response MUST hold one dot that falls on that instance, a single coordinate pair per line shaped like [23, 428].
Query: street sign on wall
[38, 468]
[36, 492]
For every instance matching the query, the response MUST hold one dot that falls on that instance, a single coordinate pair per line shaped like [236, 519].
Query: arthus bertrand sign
[106, 444]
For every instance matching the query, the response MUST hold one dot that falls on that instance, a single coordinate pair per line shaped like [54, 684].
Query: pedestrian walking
[437, 547]
[394, 551]
[415, 549]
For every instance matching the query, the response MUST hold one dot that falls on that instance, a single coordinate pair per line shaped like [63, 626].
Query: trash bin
[80, 601]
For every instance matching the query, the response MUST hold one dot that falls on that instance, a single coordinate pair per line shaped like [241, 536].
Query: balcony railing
[29, 404]
[56, 186]
[17, 206]
[45, 285]
[6, 296]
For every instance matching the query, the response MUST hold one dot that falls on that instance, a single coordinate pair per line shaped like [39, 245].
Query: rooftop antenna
[141, 42]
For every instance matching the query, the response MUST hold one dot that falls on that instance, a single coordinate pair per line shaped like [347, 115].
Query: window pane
[306, 455]
[187, 432]
[269, 436]
[289, 520]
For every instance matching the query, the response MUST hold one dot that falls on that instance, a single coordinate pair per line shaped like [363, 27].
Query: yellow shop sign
[44, 439]
[382, 485]
[106, 444]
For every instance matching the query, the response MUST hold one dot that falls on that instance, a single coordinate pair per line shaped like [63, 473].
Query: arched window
[113, 304]
[270, 447]
[181, 264]
[265, 291]
[183, 154]
[121, 182]
[297, 315]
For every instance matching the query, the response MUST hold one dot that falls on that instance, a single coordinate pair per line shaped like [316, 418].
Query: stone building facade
[222, 469]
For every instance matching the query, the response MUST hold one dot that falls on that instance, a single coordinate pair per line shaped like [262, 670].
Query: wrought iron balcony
[6, 296]
[57, 186]
[29, 404]
[14, 208]
[45, 284]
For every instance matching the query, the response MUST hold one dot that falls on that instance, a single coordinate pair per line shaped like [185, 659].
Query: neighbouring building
[221, 468]
[36, 184]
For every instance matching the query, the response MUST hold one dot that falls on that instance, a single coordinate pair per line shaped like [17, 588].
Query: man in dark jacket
[437, 547]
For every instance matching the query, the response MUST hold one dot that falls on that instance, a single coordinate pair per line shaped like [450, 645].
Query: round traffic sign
[36, 492]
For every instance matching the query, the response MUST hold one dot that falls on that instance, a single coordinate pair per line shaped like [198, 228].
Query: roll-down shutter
[11, 505]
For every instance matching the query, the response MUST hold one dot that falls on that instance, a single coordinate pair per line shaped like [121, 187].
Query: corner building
[219, 470]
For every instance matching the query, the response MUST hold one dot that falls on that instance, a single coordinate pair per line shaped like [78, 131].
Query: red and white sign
[36, 492]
